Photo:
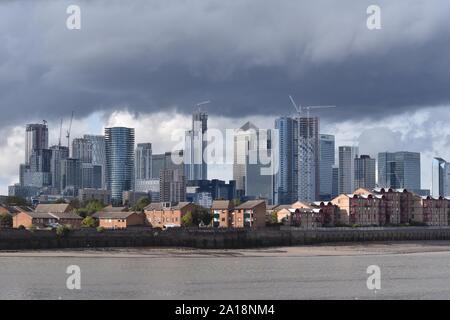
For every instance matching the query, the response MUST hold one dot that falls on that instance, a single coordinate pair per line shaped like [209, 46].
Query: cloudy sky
[146, 63]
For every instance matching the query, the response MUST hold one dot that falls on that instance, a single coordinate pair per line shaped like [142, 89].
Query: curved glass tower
[119, 143]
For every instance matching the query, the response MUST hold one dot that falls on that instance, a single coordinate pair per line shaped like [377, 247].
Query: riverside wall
[12, 239]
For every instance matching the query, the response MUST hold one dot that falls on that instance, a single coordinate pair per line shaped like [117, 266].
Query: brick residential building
[45, 219]
[222, 211]
[119, 219]
[160, 214]
[250, 214]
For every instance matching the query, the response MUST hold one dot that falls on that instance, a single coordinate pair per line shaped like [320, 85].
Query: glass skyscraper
[119, 143]
[196, 167]
[365, 168]
[399, 170]
[347, 155]
[327, 158]
[98, 154]
[440, 178]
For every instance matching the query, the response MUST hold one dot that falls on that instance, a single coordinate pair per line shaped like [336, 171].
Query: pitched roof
[65, 215]
[38, 215]
[247, 126]
[250, 204]
[222, 204]
[113, 215]
[114, 209]
[158, 206]
[55, 207]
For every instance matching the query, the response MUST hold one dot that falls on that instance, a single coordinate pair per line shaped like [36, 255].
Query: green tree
[75, 203]
[63, 230]
[89, 222]
[94, 206]
[17, 201]
[187, 220]
[141, 204]
[6, 221]
[197, 216]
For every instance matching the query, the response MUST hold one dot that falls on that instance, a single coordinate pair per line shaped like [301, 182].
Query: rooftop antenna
[60, 133]
[68, 131]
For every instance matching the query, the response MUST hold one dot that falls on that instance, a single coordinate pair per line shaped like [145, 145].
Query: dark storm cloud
[244, 55]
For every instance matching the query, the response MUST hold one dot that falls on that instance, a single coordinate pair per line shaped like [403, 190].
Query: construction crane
[305, 153]
[202, 103]
[68, 131]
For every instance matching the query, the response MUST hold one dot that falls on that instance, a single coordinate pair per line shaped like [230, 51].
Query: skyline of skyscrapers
[302, 154]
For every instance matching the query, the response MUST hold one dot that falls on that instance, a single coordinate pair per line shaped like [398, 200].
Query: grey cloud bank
[245, 55]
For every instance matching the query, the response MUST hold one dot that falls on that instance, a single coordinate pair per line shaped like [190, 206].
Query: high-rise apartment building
[119, 161]
[82, 149]
[365, 168]
[327, 159]
[36, 138]
[172, 186]
[347, 155]
[196, 167]
[399, 170]
[285, 179]
[59, 153]
[298, 160]
[71, 176]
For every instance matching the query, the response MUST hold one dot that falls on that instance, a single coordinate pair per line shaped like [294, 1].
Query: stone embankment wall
[11, 239]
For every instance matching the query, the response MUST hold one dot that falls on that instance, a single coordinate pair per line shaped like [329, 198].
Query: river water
[408, 271]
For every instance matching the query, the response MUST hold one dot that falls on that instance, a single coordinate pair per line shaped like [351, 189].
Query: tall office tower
[440, 178]
[82, 149]
[71, 176]
[98, 154]
[365, 172]
[36, 138]
[335, 184]
[259, 179]
[196, 167]
[119, 161]
[285, 178]
[58, 153]
[308, 159]
[143, 161]
[172, 186]
[399, 170]
[327, 158]
[347, 155]
[245, 140]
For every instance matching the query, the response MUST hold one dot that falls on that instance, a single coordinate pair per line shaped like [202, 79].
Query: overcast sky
[146, 63]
